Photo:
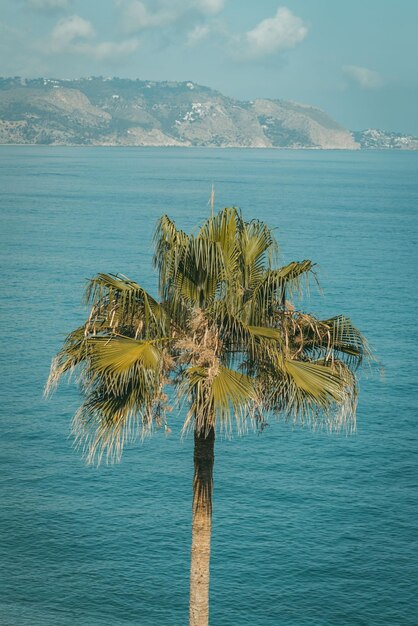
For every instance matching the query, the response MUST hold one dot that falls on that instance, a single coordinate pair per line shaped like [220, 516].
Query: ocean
[309, 528]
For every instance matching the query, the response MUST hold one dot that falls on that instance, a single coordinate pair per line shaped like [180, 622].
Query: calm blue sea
[309, 529]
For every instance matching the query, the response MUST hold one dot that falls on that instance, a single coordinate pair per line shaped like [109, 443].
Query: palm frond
[314, 393]
[218, 397]
[258, 249]
[320, 382]
[265, 332]
[239, 339]
[223, 228]
[273, 288]
[170, 245]
[346, 338]
[198, 274]
[122, 381]
[120, 359]
[120, 304]
[335, 338]
[191, 267]
[234, 396]
[106, 421]
[73, 352]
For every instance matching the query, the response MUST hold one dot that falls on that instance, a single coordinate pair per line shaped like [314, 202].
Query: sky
[356, 59]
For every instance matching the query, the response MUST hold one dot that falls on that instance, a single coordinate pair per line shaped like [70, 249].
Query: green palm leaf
[327, 338]
[258, 248]
[316, 394]
[118, 355]
[222, 395]
[320, 382]
[273, 288]
[122, 382]
[120, 303]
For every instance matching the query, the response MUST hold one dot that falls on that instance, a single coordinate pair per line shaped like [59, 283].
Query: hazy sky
[357, 59]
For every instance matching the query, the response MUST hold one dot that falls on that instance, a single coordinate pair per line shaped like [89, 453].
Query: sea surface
[309, 529]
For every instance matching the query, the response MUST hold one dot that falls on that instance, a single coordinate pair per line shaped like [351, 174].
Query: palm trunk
[204, 444]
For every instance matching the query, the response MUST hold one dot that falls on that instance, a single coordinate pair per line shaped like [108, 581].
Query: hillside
[100, 111]
[104, 112]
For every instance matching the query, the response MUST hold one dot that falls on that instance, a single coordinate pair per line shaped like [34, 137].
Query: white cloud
[362, 76]
[199, 19]
[139, 15]
[49, 5]
[69, 29]
[274, 34]
[75, 35]
[136, 16]
[197, 34]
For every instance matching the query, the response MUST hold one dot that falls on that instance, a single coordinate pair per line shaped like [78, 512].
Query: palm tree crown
[223, 332]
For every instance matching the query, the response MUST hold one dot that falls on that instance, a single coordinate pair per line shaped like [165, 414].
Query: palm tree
[226, 336]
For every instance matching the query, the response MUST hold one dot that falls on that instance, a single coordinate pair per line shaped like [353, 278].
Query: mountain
[100, 111]
[105, 112]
